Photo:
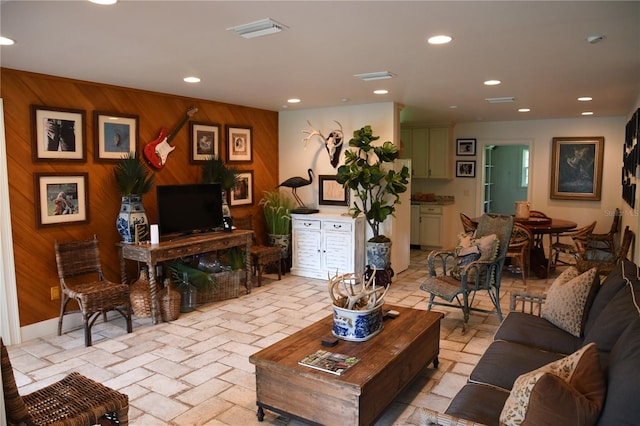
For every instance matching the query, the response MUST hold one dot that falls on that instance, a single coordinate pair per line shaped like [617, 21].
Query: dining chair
[520, 249]
[261, 256]
[82, 279]
[578, 238]
[605, 242]
[455, 284]
[604, 261]
[539, 238]
[74, 400]
[467, 223]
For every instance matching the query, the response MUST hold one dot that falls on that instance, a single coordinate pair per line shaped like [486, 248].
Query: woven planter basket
[140, 296]
[227, 288]
[169, 303]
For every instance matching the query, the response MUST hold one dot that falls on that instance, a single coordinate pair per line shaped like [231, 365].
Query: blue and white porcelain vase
[357, 326]
[379, 255]
[132, 223]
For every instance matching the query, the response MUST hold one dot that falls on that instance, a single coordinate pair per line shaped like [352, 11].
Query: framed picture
[466, 169]
[465, 147]
[576, 168]
[242, 193]
[331, 192]
[115, 135]
[61, 198]
[58, 134]
[205, 141]
[239, 144]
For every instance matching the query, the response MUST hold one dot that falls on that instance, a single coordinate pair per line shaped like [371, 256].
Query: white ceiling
[538, 50]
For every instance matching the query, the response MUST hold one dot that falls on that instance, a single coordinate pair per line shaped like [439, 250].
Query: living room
[278, 153]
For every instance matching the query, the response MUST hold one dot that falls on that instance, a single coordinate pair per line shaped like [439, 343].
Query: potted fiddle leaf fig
[133, 179]
[377, 187]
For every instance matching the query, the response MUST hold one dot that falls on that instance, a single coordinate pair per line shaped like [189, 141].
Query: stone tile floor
[196, 370]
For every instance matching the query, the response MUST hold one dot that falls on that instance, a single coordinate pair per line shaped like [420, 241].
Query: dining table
[539, 227]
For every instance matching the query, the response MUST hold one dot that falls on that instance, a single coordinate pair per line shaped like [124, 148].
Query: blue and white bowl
[357, 326]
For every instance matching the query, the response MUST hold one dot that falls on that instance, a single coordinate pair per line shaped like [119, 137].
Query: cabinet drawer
[431, 209]
[337, 226]
[307, 224]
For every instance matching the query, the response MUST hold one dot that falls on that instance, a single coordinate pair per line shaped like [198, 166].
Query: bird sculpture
[296, 182]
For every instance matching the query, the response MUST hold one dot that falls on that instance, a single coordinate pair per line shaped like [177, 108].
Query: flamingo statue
[296, 182]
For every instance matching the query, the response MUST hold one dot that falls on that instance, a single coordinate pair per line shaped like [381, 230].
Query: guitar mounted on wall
[156, 152]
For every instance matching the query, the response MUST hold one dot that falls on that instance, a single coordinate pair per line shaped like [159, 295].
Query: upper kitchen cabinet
[430, 151]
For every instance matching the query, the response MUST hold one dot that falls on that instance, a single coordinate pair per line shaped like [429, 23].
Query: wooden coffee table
[388, 362]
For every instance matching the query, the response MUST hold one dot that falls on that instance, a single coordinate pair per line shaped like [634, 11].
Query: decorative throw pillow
[568, 391]
[566, 299]
[465, 256]
[488, 245]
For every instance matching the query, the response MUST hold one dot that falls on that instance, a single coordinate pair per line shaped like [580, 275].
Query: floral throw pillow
[566, 299]
[563, 392]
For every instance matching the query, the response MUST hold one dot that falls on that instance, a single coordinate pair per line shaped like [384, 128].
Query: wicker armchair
[75, 400]
[605, 242]
[604, 261]
[578, 237]
[77, 261]
[520, 248]
[473, 277]
[261, 256]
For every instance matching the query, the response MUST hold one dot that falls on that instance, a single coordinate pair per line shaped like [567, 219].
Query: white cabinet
[324, 244]
[430, 151]
[436, 226]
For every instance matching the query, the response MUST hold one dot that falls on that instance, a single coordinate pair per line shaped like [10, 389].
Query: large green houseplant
[133, 179]
[277, 213]
[377, 187]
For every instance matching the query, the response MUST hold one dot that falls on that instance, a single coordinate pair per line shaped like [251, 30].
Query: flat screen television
[189, 209]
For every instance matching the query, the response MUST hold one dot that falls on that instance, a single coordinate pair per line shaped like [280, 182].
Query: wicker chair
[73, 401]
[605, 242]
[520, 248]
[604, 261]
[467, 223]
[578, 236]
[77, 261]
[473, 277]
[261, 256]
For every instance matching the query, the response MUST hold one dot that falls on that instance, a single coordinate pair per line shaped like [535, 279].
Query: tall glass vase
[132, 223]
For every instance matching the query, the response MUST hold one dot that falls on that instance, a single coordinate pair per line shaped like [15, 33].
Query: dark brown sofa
[525, 342]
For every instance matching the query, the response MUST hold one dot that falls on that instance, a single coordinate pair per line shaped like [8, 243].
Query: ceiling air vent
[370, 76]
[258, 28]
[500, 100]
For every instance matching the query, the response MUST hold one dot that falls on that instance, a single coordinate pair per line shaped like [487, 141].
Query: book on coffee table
[329, 362]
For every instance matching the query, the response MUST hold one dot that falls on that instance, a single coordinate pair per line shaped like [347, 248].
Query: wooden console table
[152, 254]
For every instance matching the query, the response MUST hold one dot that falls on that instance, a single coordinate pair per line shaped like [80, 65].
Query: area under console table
[326, 244]
[152, 254]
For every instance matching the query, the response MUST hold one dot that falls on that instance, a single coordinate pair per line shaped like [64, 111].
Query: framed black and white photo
[239, 144]
[115, 135]
[204, 141]
[466, 169]
[576, 168]
[331, 193]
[465, 147]
[242, 193]
[61, 198]
[58, 134]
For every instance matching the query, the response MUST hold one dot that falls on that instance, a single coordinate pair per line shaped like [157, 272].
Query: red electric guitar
[156, 152]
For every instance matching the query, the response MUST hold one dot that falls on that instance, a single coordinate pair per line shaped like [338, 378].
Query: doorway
[505, 177]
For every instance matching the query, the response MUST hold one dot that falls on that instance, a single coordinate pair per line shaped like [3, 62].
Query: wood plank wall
[36, 271]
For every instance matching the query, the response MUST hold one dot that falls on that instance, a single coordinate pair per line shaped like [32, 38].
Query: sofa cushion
[622, 405]
[531, 330]
[566, 299]
[503, 362]
[616, 316]
[568, 391]
[609, 288]
[479, 403]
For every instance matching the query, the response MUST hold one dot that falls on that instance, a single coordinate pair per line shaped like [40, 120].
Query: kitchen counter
[440, 200]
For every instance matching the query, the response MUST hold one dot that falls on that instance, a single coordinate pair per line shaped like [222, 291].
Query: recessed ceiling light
[293, 100]
[587, 113]
[453, 106]
[585, 98]
[191, 80]
[439, 39]
[381, 91]
[258, 28]
[4, 41]
[524, 110]
[104, 2]
[492, 82]
[593, 39]
[369, 76]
